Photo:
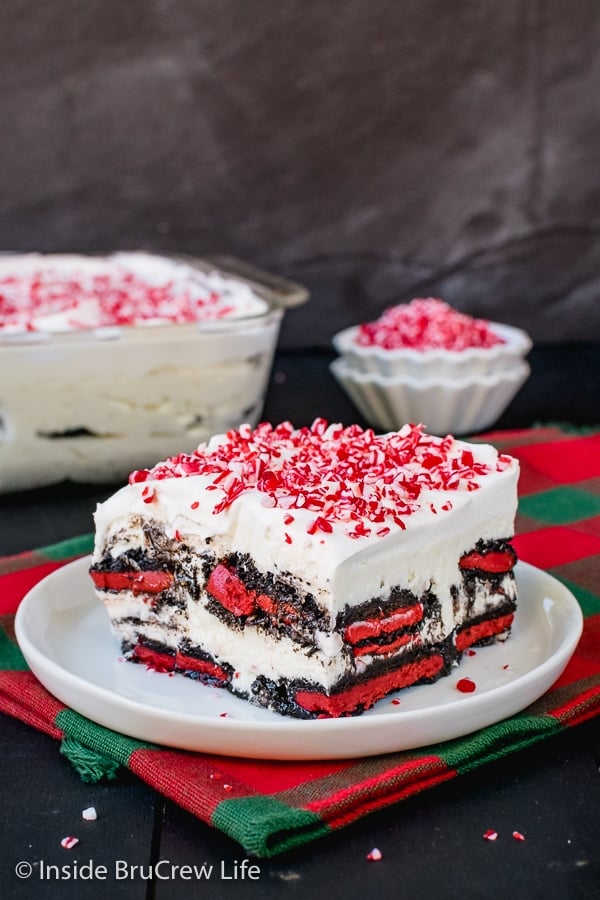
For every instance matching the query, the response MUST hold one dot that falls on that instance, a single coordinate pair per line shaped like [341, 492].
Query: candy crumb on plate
[466, 685]
[69, 842]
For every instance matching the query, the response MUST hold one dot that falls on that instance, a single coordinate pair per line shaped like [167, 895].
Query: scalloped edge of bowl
[438, 362]
[443, 405]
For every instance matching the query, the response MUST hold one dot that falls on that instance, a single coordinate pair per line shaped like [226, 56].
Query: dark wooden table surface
[432, 844]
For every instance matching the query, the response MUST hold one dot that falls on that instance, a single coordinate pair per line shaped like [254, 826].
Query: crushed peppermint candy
[426, 324]
[490, 835]
[69, 842]
[466, 685]
[518, 836]
[374, 855]
[89, 814]
[65, 295]
[348, 475]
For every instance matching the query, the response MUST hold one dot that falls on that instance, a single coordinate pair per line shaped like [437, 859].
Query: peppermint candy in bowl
[110, 362]
[426, 362]
[428, 338]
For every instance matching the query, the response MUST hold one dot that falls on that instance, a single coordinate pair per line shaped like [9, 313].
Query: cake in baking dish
[311, 570]
[59, 293]
[111, 362]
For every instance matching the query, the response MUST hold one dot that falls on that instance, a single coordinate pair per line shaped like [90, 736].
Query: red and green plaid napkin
[269, 807]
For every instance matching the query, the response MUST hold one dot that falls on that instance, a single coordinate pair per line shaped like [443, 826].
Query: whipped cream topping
[59, 293]
[337, 478]
[426, 324]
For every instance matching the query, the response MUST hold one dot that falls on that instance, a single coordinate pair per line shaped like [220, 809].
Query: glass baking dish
[92, 405]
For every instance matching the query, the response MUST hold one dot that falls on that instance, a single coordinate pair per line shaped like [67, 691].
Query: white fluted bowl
[444, 405]
[438, 363]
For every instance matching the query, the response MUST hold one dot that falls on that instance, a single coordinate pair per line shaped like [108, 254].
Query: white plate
[65, 636]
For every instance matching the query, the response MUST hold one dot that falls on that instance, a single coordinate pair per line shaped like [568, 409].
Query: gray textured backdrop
[375, 150]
